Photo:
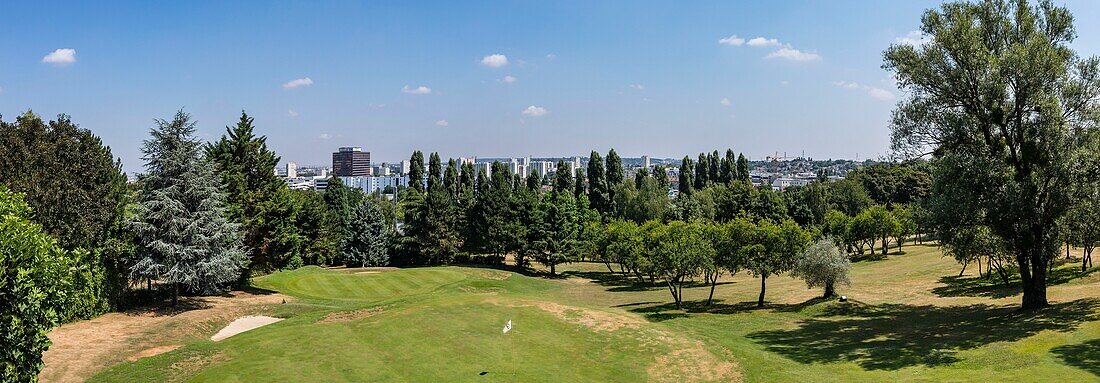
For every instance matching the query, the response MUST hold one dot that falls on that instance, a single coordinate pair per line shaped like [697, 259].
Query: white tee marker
[507, 326]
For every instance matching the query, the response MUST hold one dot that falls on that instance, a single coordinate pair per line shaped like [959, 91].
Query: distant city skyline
[507, 79]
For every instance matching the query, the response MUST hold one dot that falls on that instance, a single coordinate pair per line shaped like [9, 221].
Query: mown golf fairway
[910, 321]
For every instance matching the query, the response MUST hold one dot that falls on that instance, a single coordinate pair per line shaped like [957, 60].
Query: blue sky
[644, 77]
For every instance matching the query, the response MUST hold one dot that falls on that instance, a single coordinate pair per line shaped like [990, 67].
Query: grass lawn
[910, 319]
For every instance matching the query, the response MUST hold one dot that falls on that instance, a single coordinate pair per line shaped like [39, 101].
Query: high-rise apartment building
[291, 170]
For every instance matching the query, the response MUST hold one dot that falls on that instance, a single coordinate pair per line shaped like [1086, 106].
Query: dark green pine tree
[599, 192]
[686, 181]
[435, 224]
[184, 238]
[341, 201]
[743, 168]
[493, 213]
[370, 237]
[416, 171]
[555, 230]
[534, 182]
[729, 168]
[247, 170]
[702, 170]
[563, 181]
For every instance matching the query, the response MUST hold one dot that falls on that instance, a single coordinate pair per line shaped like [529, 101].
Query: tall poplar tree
[599, 192]
[702, 172]
[416, 171]
[743, 168]
[729, 168]
[686, 181]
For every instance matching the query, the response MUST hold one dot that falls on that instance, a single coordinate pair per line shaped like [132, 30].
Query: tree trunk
[175, 294]
[885, 245]
[829, 292]
[1086, 259]
[964, 268]
[1033, 279]
[763, 287]
[713, 283]
[672, 289]
[553, 272]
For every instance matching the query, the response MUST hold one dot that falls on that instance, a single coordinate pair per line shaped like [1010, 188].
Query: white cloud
[442, 123]
[792, 54]
[879, 93]
[59, 57]
[508, 79]
[297, 83]
[418, 90]
[551, 56]
[763, 42]
[535, 111]
[292, 113]
[914, 38]
[725, 102]
[875, 92]
[496, 60]
[732, 40]
[637, 86]
[845, 84]
[325, 136]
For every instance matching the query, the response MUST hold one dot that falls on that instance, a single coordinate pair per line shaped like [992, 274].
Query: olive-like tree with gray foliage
[823, 265]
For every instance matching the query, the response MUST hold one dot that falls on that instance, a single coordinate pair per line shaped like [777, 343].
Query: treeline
[718, 223]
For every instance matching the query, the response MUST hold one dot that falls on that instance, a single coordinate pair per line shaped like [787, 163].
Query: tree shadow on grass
[893, 336]
[1085, 356]
[971, 286]
[616, 282]
[666, 311]
[158, 301]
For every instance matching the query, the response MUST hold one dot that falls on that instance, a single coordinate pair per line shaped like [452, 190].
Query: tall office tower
[351, 161]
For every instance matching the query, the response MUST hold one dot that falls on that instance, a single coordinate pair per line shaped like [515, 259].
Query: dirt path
[83, 348]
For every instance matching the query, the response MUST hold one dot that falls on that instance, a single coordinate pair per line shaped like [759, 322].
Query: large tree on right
[1001, 102]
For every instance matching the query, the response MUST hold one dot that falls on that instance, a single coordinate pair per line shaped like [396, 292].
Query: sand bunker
[243, 324]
